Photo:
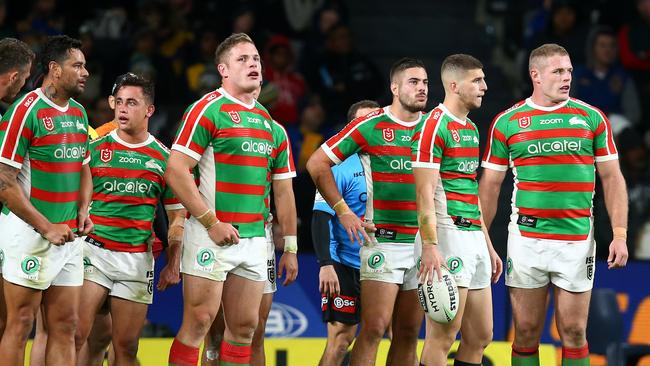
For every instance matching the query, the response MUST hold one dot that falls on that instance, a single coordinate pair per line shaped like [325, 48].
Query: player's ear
[54, 67]
[223, 70]
[150, 109]
[393, 88]
[13, 76]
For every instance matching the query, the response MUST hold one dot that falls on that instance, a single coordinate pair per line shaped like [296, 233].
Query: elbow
[311, 165]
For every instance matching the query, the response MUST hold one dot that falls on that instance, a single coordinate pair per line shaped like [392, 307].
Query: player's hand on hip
[497, 265]
[58, 234]
[617, 254]
[289, 264]
[169, 276]
[223, 233]
[430, 262]
[85, 224]
[328, 281]
[355, 228]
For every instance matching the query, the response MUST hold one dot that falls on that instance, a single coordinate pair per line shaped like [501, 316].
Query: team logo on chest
[106, 155]
[524, 122]
[455, 135]
[48, 123]
[389, 134]
[234, 116]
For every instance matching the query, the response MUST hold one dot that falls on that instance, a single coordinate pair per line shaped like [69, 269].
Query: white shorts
[533, 263]
[466, 256]
[31, 261]
[389, 262]
[270, 286]
[203, 258]
[126, 275]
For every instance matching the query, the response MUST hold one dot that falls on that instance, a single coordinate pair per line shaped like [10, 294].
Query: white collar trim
[247, 106]
[117, 138]
[448, 112]
[399, 121]
[47, 100]
[532, 104]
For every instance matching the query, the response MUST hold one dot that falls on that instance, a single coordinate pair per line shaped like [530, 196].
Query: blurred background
[320, 56]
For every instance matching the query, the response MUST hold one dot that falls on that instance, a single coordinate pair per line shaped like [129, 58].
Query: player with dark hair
[15, 63]
[388, 271]
[43, 162]
[338, 279]
[127, 168]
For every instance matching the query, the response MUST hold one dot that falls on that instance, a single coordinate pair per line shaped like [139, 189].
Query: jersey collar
[247, 106]
[531, 104]
[117, 138]
[51, 103]
[399, 121]
[448, 112]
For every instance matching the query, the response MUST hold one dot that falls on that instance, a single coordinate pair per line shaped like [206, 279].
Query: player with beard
[230, 138]
[445, 160]
[553, 143]
[388, 270]
[15, 63]
[43, 160]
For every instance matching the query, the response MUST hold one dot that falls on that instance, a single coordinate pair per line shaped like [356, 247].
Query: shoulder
[99, 141]
[510, 113]
[158, 145]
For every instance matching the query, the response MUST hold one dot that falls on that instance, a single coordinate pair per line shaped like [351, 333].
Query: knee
[244, 331]
[406, 331]
[573, 334]
[478, 341]
[527, 331]
[64, 326]
[342, 341]
[22, 323]
[201, 321]
[375, 328]
[127, 348]
[99, 340]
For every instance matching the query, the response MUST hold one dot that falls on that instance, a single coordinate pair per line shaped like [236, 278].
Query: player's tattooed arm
[13, 198]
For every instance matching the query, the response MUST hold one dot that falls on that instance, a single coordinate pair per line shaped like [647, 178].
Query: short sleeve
[283, 166]
[16, 131]
[496, 154]
[429, 145]
[197, 129]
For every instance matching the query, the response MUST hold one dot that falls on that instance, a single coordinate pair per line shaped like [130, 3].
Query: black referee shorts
[345, 307]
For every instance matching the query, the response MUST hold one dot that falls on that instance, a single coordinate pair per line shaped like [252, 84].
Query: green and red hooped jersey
[552, 151]
[128, 183]
[239, 149]
[450, 144]
[384, 146]
[49, 144]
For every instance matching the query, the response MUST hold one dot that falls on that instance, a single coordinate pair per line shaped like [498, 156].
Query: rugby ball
[440, 298]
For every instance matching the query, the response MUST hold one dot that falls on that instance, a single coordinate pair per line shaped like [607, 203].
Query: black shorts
[346, 307]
